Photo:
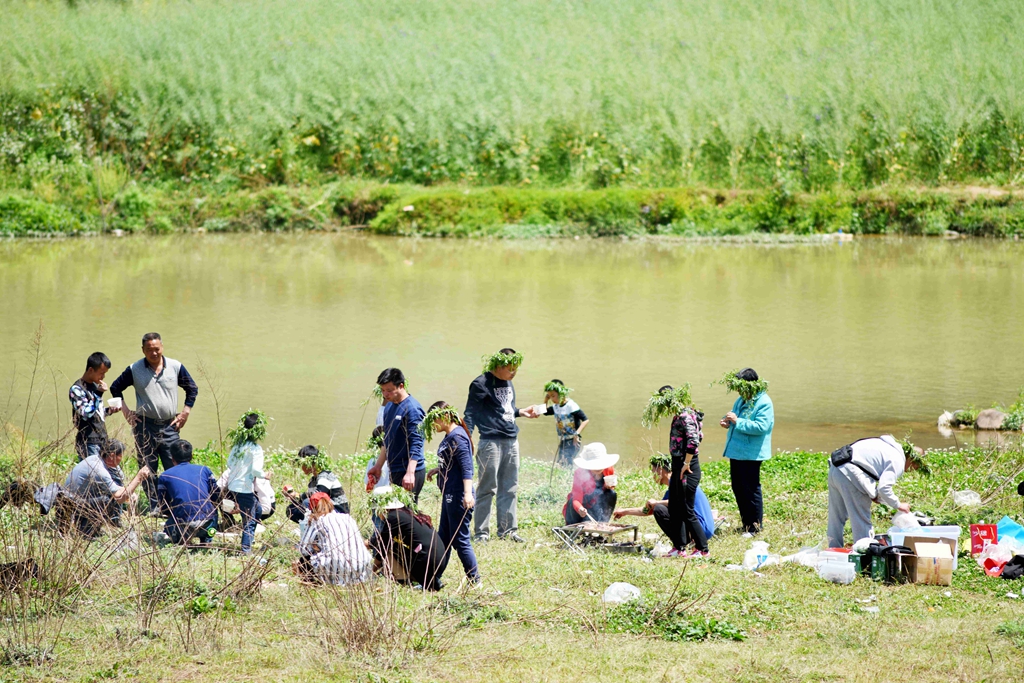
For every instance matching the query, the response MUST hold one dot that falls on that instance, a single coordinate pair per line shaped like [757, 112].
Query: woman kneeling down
[593, 486]
[332, 550]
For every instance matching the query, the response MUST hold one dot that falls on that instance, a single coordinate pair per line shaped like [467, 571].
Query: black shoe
[481, 539]
[514, 537]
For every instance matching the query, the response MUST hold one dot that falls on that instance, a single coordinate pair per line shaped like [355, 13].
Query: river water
[855, 339]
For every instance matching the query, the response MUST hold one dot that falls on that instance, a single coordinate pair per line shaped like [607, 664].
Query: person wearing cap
[332, 550]
[593, 486]
[96, 492]
[406, 548]
[188, 495]
[863, 473]
[748, 443]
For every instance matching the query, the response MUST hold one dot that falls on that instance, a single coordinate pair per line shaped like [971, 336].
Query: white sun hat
[595, 456]
[391, 504]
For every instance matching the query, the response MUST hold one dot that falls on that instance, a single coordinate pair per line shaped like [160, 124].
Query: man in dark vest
[155, 420]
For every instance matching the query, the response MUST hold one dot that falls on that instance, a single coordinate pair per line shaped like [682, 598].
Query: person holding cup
[87, 411]
[593, 494]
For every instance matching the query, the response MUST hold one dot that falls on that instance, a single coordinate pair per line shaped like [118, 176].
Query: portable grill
[598, 534]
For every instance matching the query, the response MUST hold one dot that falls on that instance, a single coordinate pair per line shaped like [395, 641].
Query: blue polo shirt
[186, 493]
[402, 439]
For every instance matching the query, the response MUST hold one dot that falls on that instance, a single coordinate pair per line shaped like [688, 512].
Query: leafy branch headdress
[377, 502]
[445, 414]
[910, 452]
[661, 461]
[254, 434]
[500, 360]
[374, 442]
[559, 388]
[747, 389]
[667, 403]
[318, 460]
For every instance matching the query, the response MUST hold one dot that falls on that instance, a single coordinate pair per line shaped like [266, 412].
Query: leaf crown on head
[254, 434]
[559, 388]
[747, 389]
[667, 403]
[500, 360]
[445, 414]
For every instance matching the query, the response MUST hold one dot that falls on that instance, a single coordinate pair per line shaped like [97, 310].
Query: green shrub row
[46, 208]
[70, 124]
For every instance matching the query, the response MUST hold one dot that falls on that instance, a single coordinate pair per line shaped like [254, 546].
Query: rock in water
[990, 419]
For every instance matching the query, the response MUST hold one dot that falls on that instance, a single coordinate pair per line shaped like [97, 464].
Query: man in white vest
[155, 420]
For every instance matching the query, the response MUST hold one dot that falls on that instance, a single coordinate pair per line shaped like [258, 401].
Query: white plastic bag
[863, 544]
[996, 551]
[805, 557]
[967, 499]
[758, 556]
[905, 520]
[620, 592]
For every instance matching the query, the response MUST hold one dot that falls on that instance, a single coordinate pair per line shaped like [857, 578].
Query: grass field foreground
[170, 615]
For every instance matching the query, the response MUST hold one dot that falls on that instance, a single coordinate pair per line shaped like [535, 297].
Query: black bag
[844, 456]
[1014, 569]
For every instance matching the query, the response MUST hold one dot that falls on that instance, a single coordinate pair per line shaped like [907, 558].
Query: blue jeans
[249, 507]
[453, 530]
[92, 449]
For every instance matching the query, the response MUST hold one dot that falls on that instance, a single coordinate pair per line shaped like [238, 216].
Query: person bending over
[315, 465]
[96, 492]
[593, 486]
[863, 473]
[188, 496]
[332, 550]
[661, 469]
[406, 548]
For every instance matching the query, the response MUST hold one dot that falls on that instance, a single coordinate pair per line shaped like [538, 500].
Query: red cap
[319, 495]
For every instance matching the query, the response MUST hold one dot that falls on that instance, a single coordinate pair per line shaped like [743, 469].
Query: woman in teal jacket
[748, 443]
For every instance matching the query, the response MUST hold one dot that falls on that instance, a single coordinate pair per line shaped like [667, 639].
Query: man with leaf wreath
[491, 409]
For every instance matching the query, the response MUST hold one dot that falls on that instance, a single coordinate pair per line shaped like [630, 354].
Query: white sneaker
[746, 534]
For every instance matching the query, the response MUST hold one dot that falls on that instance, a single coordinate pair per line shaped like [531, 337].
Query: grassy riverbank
[157, 115]
[510, 212]
[539, 617]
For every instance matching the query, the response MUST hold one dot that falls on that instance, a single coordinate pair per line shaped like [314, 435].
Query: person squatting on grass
[661, 469]
[406, 548]
[491, 409]
[570, 420]
[188, 496]
[245, 465]
[593, 494]
[87, 411]
[863, 473]
[331, 549]
[315, 465]
[96, 492]
[454, 473]
[403, 442]
[156, 420]
[748, 443]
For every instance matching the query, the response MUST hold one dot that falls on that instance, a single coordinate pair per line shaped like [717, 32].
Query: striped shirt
[336, 550]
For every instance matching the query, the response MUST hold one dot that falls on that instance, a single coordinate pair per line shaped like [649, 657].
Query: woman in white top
[245, 466]
[332, 549]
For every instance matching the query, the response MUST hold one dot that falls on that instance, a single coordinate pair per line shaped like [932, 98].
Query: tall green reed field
[818, 94]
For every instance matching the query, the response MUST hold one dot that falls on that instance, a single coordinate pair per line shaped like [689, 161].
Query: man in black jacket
[491, 408]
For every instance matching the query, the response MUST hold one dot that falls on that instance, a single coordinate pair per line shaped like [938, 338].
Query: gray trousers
[846, 501]
[497, 461]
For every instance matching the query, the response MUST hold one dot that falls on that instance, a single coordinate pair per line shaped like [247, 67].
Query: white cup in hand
[115, 403]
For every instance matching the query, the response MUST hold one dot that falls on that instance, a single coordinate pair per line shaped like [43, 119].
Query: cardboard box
[983, 535]
[932, 562]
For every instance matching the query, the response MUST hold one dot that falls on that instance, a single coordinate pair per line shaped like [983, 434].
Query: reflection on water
[855, 339]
